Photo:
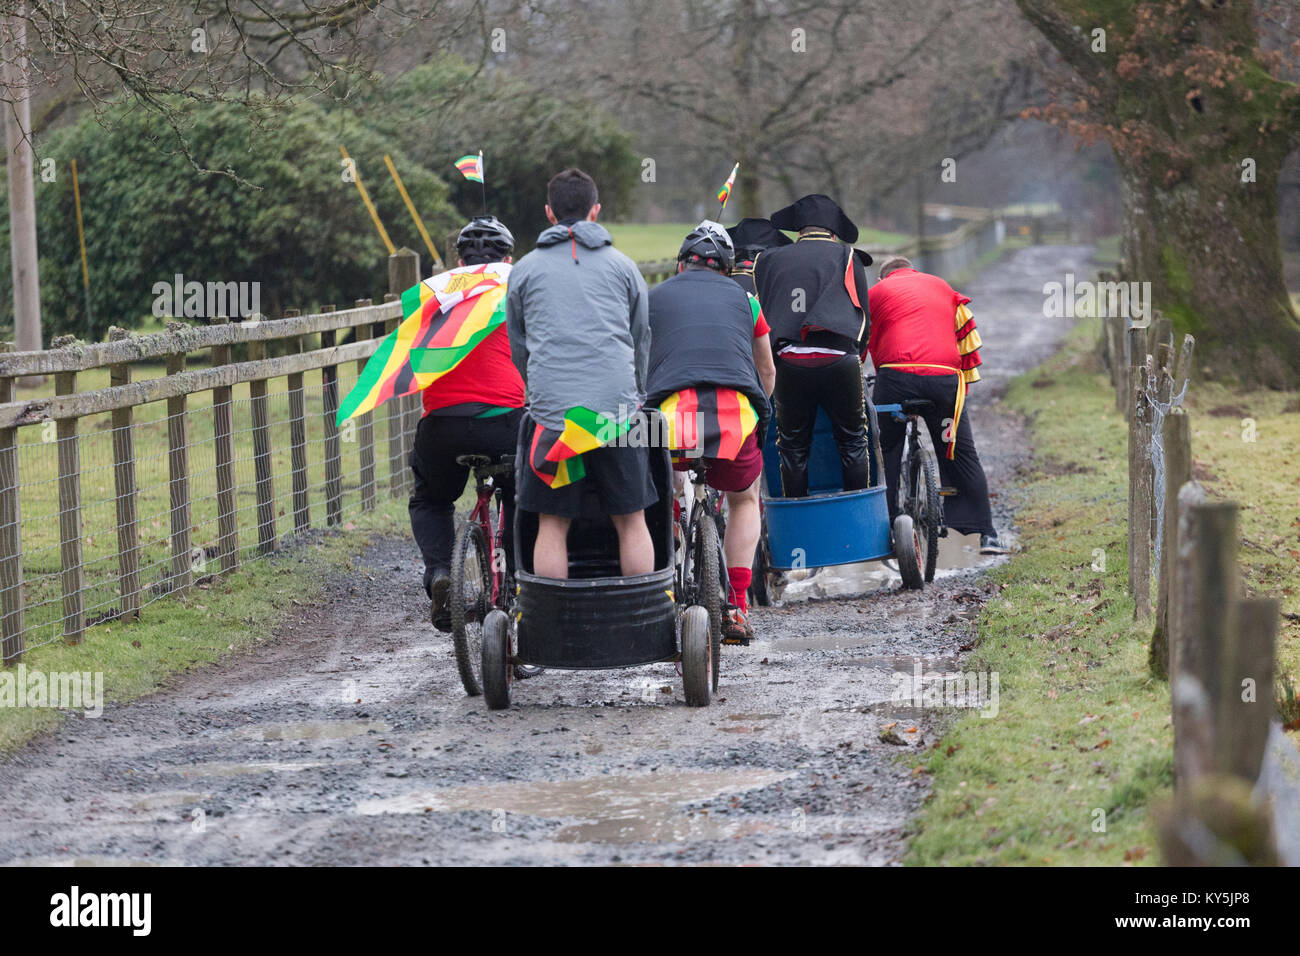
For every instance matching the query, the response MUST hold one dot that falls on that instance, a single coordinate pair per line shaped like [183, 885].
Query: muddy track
[346, 739]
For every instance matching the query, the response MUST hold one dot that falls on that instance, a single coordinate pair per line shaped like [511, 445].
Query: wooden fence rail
[69, 406]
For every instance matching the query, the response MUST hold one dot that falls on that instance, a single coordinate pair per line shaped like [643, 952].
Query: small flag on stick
[725, 192]
[471, 167]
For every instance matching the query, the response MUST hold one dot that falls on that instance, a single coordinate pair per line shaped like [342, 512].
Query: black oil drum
[590, 623]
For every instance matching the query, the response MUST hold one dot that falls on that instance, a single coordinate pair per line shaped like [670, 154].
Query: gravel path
[346, 739]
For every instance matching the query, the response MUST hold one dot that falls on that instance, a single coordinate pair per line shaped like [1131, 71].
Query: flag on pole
[471, 167]
[725, 192]
[446, 317]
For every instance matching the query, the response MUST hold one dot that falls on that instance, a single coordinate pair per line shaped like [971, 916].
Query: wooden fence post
[1207, 594]
[69, 454]
[366, 426]
[298, 438]
[124, 485]
[1183, 368]
[263, 478]
[224, 449]
[329, 380]
[1177, 440]
[1139, 494]
[12, 617]
[178, 469]
[1246, 693]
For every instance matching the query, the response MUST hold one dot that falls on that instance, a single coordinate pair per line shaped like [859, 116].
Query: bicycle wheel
[496, 660]
[758, 589]
[695, 656]
[923, 487]
[710, 590]
[471, 595]
[907, 548]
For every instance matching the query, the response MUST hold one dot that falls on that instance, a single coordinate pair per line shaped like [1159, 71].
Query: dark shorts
[620, 476]
[735, 474]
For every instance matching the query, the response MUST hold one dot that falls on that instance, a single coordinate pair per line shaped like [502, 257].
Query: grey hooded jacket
[577, 311]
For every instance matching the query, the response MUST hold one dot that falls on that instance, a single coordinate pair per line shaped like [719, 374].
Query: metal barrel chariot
[598, 618]
[831, 526]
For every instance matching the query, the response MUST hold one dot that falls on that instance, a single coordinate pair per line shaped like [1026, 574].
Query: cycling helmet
[708, 244]
[484, 239]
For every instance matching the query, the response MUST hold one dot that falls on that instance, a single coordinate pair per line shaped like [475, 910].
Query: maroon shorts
[736, 474]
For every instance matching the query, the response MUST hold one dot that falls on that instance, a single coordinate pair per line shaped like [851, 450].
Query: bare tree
[837, 95]
[1201, 118]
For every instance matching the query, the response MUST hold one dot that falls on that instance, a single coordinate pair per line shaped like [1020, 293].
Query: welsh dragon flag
[445, 317]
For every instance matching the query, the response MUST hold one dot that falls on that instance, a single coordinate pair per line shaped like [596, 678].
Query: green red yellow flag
[709, 422]
[556, 454]
[445, 318]
[725, 192]
[471, 167]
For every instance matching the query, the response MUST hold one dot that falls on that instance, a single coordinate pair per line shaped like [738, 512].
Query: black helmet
[708, 242]
[484, 239]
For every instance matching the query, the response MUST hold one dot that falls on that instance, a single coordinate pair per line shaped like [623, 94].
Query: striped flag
[716, 421]
[725, 192]
[446, 317]
[556, 455]
[471, 167]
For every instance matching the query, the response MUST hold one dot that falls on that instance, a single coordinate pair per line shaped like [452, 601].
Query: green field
[654, 242]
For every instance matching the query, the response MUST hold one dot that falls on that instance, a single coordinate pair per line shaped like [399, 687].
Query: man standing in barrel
[814, 295]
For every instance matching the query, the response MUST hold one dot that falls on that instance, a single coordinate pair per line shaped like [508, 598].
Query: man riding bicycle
[472, 410]
[925, 346]
[711, 373]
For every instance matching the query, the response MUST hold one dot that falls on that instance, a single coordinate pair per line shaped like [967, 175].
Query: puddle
[627, 808]
[88, 861]
[158, 801]
[312, 730]
[238, 769]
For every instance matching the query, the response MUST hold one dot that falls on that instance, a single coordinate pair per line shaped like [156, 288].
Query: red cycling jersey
[912, 321]
[487, 376]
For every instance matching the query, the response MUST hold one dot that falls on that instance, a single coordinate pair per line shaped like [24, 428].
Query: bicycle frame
[710, 500]
[495, 537]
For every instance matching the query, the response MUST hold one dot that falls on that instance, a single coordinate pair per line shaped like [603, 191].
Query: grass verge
[178, 634]
[1081, 743]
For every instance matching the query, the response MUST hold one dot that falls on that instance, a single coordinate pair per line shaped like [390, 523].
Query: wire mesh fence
[101, 589]
[138, 478]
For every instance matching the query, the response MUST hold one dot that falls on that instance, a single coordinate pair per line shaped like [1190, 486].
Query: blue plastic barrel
[837, 528]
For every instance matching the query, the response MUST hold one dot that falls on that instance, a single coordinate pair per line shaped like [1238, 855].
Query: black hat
[816, 210]
[755, 235]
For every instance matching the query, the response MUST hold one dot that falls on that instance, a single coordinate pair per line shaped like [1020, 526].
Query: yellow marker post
[419, 223]
[365, 198]
[81, 237]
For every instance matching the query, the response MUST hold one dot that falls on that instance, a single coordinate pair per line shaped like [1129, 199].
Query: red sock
[739, 578]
